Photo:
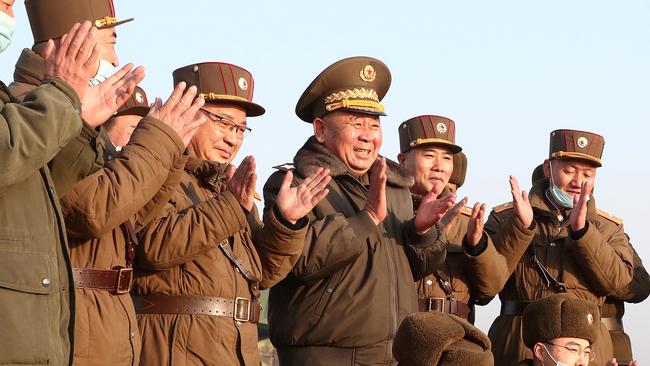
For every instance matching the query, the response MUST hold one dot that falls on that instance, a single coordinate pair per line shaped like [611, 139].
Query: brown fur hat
[460, 169]
[434, 338]
[558, 316]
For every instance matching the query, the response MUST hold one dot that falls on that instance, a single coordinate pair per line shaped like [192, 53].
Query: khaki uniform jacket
[471, 277]
[83, 154]
[36, 324]
[354, 282]
[179, 255]
[592, 266]
[94, 209]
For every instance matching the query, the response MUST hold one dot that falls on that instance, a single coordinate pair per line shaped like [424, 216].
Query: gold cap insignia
[368, 73]
[139, 97]
[590, 319]
[583, 142]
[441, 127]
[243, 84]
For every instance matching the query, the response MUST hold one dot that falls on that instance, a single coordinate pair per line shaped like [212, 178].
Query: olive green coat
[36, 301]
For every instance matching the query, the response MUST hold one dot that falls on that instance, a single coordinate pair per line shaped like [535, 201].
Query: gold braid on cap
[105, 21]
[429, 141]
[565, 154]
[211, 96]
[343, 98]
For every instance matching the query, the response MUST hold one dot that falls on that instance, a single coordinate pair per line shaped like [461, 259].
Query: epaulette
[609, 217]
[503, 207]
[467, 211]
[286, 167]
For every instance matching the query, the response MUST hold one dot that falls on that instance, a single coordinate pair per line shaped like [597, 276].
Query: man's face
[121, 128]
[355, 138]
[220, 138]
[569, 174]
[569, 351]
[7, 6]
[429, 165]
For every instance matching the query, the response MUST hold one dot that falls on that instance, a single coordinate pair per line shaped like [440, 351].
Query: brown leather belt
[444, 305]
[240, 309]
[512, 308]
[118, 280]
[613, 323]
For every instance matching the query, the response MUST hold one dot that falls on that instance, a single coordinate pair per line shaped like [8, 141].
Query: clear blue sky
[508, 72]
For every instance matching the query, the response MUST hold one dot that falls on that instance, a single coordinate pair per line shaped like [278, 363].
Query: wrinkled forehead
[578, 164]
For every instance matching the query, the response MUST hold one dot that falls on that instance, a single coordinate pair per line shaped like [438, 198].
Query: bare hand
[180, 112]
[453, 212]
[296, 202]
[432, 210]
[376, 197]
[75, 59]
[523, 209]
[242, 183]
[475, 225]
[101, 101]
[578, 217]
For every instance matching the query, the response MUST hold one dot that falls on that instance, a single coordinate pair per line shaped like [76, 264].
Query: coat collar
[313, 155]
[30, 68]
[207, 172]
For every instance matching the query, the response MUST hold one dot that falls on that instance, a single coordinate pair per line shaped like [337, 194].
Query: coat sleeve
[33, 131]
[332, 241]
[110, 196]
[639, 289]
[425, 252]
[179, 236]
[606, 258]
[487, 272]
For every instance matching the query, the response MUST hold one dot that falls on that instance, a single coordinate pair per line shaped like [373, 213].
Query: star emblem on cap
[243, 84]
[583, 142]
[368, 73]
[441, 127]
[139, 97]
[590, 318]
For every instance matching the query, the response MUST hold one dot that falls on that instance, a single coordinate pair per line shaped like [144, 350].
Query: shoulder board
[609, 217]
[286, 167]
[467, 211]
[503, 207]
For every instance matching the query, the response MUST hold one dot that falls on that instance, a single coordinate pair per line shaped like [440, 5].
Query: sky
[507, 72]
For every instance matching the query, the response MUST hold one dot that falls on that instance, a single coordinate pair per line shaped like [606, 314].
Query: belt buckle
[244, 302]
[120, 271]
[431, 300]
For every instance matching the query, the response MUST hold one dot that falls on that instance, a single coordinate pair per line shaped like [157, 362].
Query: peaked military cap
[434, 338]
[460, 169]
[355, 84]
[221, 82]
[428, 130]
[51, 19]
[560, 315]
[137, 104]
[574, 144]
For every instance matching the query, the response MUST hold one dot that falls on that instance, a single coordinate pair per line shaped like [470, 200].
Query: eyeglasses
[226, 125]
[577, 352]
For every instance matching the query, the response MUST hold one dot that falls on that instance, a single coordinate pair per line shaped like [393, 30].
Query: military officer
[428, 147]
[117, 131]
[560, 330]
[206, 257]
[353, 282]
[554, 240]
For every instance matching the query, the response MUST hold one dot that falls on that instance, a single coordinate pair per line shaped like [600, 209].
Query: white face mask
[7, 27]
[559, 196]
[105, 70]
[549, 355]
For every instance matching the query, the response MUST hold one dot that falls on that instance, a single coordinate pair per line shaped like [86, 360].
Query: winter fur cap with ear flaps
[433, 338]
[460, 169]
[560, 316]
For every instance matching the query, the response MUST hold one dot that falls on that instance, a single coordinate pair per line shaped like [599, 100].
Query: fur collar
[313, 155]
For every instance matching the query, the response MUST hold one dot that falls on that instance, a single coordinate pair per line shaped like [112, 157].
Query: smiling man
[353, 283]
[557, 241]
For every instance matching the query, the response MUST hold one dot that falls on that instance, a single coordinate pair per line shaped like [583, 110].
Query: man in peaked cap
[555, 240]
[206, 257]
[353, 282]
[116, 132]
[560, 329]
[434, 338]
[50, 20]
[457, 178]
[428, 149]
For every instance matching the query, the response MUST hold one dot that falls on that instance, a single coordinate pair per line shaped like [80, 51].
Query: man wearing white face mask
[84, 154]
[556, 241]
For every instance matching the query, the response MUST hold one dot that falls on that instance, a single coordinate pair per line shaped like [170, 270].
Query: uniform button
[553, 244]
[560, 218]
[428, 282]
[45, 282]
[132, 335]
[236, 269]
[329, 290]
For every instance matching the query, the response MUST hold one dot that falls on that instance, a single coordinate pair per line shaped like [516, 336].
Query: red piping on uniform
[422, 125]
[223, 78]
[234, 83]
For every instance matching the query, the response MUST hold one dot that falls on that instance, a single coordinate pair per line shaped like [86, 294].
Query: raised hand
[296, 202]
[180, 111]
[613, 362]
[242, 183]
[475, 225]
[376, 197]
[100, 102]
[75, 59]
[453, 212]
[578, 217]
[433, 209]
[523, 209]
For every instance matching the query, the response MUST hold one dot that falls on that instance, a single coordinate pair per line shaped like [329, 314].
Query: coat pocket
[26, 285]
